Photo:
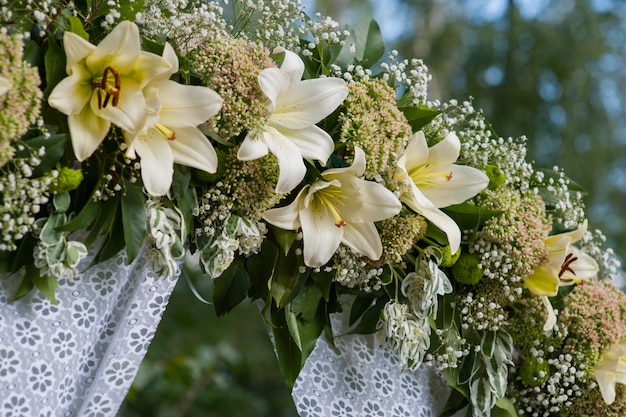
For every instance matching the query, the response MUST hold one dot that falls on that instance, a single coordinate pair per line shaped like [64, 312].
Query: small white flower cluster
[405, 333]
[354, 272]
[496, 263]
[318, 30]
[569, 208]
[492, 320]
[351, 73]
[563, 385]
[224, 234]
[188, 28]
[412, 77]
[164, 240]
[592, 243]
[22, 198]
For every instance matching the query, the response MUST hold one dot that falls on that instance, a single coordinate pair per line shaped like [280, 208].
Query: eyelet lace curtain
[365, 379]
[79, 357]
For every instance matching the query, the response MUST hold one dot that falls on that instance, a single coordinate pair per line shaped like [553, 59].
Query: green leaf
[481, 396]
[61, 201]
[369, 321]
[324, 281]
[85, 218]
[456, 401]
[284, 238]
[358, 308]
[288, 354]
[76, 26]
[369, 44]
[469, 367]
[55, 148]
[418, 116]
[470, 216]
[286, 279]
[504, 408]
[230, 288]
[45, 284]
[134, 219]
[55, 65]
[488, 343]
[261, 267]
[26, 286]
[129, 9]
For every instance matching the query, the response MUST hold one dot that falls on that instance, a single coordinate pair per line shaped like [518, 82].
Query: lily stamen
[111, 91]
[329, 205]
[168, 133]
[566, 267]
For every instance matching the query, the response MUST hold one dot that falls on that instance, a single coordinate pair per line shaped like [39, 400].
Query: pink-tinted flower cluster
[371, 121]
[231, 67]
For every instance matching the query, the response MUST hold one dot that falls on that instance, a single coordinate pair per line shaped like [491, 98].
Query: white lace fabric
[365, 379]
[80, 356]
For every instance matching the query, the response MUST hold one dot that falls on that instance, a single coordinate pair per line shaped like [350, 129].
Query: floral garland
[257, 143]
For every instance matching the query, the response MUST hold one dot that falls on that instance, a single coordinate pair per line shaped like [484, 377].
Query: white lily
[566, 265]
[339, 208]
[611, 371]
[104, 86]
[436, 182]
[171, 134]
[295, 107]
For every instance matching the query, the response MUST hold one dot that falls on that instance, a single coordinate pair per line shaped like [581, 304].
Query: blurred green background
[553, 70]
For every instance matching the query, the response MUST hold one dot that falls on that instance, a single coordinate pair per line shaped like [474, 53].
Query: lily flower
[435, 181]
[104, 86]
[611, 371]
[566, 265]
[339, 208]
[295, 106]
[171, 135]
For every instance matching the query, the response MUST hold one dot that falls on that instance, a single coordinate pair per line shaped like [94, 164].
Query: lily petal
[251, 148]
[186, 105]
[292, 64]
[87, 132]
[309, 103]
[274, 83]
[465, 183]
[292, 169]
[446, 224]
[72, 93]
[321, 236]
[76, 48]
[157, 162]
[446, 152]
[119, 48]
[364, 239]
[286, 217]
[191, 148]
[417, 151]
[368, 201]
[130, 113]
[551, 319]
[543, 282]
[584, 268]
[313, 142]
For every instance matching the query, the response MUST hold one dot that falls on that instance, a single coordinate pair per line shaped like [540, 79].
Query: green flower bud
[496, 177]
[67, 180]
[466, 271]
[448, 258]
[534, 371]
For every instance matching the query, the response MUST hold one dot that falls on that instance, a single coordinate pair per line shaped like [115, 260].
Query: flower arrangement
[249, 144]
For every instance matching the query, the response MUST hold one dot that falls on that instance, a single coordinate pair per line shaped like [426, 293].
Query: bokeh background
[553, 70]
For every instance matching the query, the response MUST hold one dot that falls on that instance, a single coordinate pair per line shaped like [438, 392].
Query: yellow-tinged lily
[171, 134]
[105, 86]
[566, 265]
[295, 106]
[611, 371]
[435, 181]
[339, 208]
